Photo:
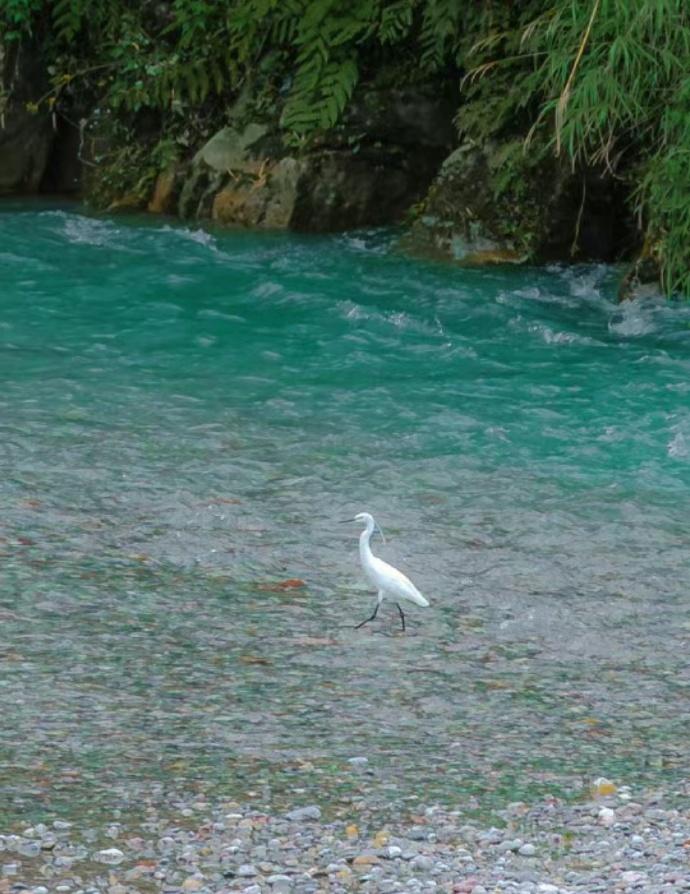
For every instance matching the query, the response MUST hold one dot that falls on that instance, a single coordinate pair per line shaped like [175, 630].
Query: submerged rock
[642, 279]
[111, 856]
[300, 814]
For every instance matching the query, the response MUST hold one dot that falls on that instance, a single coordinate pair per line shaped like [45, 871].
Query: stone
[421, 863]
[602, 787]
[641, 280]
[379, 161]
[26, 133]
[300, 814]
[29, 848]
[165, 192]
[366, 172]
[265, 201]
[110, 855]
[527, 850]
[231, 149]
[606, 816]
[365, 860]
[495, 204]
[247, 870]
[510, 844]
[417, 833]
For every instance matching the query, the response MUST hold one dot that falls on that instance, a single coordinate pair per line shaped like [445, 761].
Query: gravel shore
[613, 842]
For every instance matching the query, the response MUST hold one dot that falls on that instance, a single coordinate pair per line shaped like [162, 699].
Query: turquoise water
[185, 417]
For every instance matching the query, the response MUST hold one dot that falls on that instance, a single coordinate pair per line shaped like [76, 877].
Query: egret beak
[345, 521]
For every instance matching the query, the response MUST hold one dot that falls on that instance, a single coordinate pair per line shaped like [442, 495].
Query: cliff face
[494, 203]
[368, 171]
[39, 150]
[26, 137]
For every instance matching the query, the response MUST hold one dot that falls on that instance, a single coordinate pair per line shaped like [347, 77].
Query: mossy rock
[496, 203]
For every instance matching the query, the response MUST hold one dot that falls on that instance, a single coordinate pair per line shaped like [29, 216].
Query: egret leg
[357, 626]
[402, 616]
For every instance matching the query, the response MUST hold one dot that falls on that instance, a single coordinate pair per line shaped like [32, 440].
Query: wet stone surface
[547, 848]
[184, 419]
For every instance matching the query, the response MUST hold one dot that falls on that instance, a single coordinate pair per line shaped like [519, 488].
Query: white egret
[387, 579]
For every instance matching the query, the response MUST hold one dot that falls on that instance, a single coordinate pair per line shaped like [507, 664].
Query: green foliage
[16, 18]
[601, 83]
[605, 84]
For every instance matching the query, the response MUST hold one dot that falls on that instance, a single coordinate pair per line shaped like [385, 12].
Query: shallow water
[184, 419]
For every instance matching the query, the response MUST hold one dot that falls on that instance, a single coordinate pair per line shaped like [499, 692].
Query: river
[185, 418]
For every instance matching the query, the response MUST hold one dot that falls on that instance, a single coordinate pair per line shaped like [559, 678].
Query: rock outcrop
[368, 171]
[26, 135]
[495, 204]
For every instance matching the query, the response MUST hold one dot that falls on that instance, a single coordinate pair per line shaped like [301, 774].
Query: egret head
[368, 520]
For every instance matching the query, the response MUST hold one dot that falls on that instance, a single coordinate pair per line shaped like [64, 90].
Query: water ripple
[185, 416]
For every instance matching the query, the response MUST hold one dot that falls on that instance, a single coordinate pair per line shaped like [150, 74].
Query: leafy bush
[603, 83]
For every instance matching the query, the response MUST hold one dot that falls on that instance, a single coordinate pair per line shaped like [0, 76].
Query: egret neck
[365, 553]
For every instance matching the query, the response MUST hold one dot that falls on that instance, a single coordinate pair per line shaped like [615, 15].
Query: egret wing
[396, 583]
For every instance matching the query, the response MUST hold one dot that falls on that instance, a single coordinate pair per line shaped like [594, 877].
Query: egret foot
[402, 617]
[366, 621]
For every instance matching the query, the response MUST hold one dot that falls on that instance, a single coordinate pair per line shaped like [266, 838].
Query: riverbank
[484, 127]
[619, 842]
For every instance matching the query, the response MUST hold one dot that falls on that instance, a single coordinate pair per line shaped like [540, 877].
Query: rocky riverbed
[617, 840]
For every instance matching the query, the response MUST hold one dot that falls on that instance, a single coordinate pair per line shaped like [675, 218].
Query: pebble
[247, 870]
[312, 812]
[29, 848]
[607, 816]
[641, 849]
[110, 855]
[513, 844]
[417, 833]
[421, 863]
